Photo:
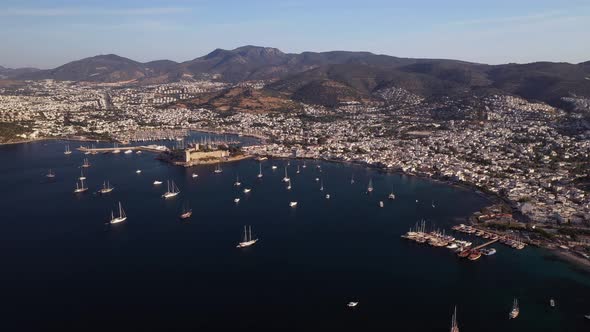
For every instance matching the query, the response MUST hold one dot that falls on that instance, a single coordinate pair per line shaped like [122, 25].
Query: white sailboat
[68, 151]
[298, 171]
[273, 167]
[370, 186]
[157, 182]
[286, 178]
[515, 310]
[86, 163]
[260, 171]
[122, 217]
[50, 174]
[289, 185]
[352, 304]
[106, 188]
[218, 169]
[247, 239]
[80, 188]
[381, 204]
[433, 206]
[194, 175]
[116, 150]
[322, 185]
[352, 179]
[236, 200]
[391, 195]
[293, 204]
[247, 190]
[454, 325]
[82, 176]
[129, 151]
[237, 183]
[172, 190]
[304, 165]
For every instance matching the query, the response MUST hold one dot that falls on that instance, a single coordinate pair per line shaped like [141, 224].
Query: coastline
[570, 257]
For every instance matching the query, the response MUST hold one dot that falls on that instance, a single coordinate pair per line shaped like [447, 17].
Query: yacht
[247, 190]
[50, 174]
[328, 196]
[157, 182]
[286, 178]
[129, 151]
[454, 325]
[352, 304]
[370, 187]
[82, 176]
[218, 169]
[391, 195]
[68, 151]
[194, 175]
[138, 171]
[86, 163]
[380, 203]
[515, 310]
[106, 188]
[186, 212]
[587, 316]
[293, 204]
[237, 183]
[274, 167]
[260, 171]
[552, 303]
[138, 152]
[80, 188]
[236, 200]
[172, 190]
[122, 217]
[247, 239]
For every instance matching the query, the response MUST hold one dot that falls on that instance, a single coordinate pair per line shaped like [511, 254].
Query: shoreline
[571, 258]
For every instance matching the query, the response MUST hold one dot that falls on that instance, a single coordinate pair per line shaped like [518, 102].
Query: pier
[148, 148]
[485, 244]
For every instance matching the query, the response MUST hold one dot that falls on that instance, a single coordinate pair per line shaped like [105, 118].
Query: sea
[65, 267]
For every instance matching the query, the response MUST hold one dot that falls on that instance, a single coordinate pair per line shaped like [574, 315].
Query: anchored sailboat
[298, 171]
[515, 310]
[82, 177]
[80, 188]
[391, 195]
[289, 185]
[322, 185]
[286, 178]
[106, 188]
[68, 151]
[172, 190]
[86, 163]
[260, 171]
[370, 187]
[50, 174]
[352, 179]
[218, 169]
[247, 239]
[454, 325]
[122, 217]
[237, 183]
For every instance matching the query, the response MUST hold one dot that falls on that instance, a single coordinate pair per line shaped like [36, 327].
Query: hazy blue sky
[47, 33]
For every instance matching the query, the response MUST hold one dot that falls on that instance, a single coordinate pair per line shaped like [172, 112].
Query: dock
[148, 148]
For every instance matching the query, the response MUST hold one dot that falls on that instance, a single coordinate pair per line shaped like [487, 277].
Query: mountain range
[331, 77]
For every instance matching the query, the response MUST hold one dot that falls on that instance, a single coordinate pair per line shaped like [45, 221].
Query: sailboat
[391, 195]
[260, 171]
[80, 188]
[273, 167]
[298, 171]
[247, 240]
[247, 190]
[237, 183]
[370, 187]
[86, 164]
[552, 303]
[304, 166]
[515, 310]
[82, 177]
[122, 217]
[381, 204]
[352, 304]
[286, 178]
[106, 188]
[116, 150]
[194, 175]
[352, 179]
[433, 206]
[50, 174]
[289, 185]
[157, 182]
[454, 325]
[322, 185]
[172, 190]
[186, 212]
[293, 204]
[218, 169]
[68, 151]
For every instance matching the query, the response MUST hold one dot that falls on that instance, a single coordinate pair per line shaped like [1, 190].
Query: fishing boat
[172, 190]
[454, 325]
[247, 239]
[218, 169]
[157, 182]
[247, 190]
[86, 163]
[286, 178]
[82, 176]
[237, 183]
[381, 204]
[122, 217]
[293, 204]
[370, 186]
[260, 171]
[515, 310]
[68, 151]
[236, 200]
[50, 174]
[186, 212]
[106, 188]
[552, 303]
[391, 195]
[80, 187]
[352, 304]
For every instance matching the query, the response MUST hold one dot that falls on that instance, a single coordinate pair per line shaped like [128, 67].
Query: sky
[47, 33]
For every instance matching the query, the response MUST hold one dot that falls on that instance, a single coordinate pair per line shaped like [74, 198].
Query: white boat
[247, 190]
[274, 167]
[391, 195]
[218, 169]
[452, 246]
[156, 182]
[172, 190]
[260, 171]
[352, 304]
[370, 186]
[50, 174]
[328, 196]
[515, 310]
[587, 316]
[128, 151]
[138, 171]
[122, 217]
[293, 204]
[236, 200]
[195, 175]
[106, 188]
[454, 325]
[286, 178]
[138, 152]
[86, 163]
[352, 179]
[289, 185]
[237, 183]
[317, 179]
[116, 150]
[80, 188]
[304, 166]
[552, 303]
[433, 206]
[82, 176]
[380, 203]
[68, 151]
[322, 186]
[298, 171]
[247, 240]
